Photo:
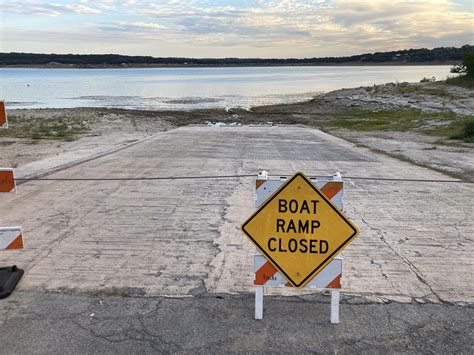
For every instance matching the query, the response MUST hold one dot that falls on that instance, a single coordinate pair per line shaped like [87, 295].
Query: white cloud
[267, 27]
[51, 9]
[314, 24]
[131, 27]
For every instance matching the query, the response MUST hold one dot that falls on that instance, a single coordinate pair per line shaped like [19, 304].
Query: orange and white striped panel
[3, 115]
[333, 190]
[7, 180]
[11, 238]
[267, 275]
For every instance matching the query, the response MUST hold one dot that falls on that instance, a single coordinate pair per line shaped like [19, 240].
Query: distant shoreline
[404, 57]
[143, 66]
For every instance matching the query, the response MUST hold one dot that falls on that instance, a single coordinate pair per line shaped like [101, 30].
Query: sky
[233, 28]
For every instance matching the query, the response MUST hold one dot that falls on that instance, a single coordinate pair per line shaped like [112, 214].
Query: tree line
[423, 55]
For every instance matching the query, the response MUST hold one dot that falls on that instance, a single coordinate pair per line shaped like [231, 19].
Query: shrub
[466, 68]
[467, 132]
[428, 80]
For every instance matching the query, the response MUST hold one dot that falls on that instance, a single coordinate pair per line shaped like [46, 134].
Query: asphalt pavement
[39, 323]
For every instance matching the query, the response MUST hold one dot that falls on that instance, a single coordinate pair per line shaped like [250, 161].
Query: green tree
[466, 68]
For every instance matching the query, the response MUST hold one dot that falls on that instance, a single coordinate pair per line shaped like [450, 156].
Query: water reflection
[190, 88]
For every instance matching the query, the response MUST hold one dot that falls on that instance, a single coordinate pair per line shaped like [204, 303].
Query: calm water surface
[190, 88]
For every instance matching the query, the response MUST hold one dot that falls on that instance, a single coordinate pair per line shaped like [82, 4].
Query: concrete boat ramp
[101, 254]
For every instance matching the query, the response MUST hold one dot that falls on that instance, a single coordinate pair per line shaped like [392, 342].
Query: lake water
[190, 88]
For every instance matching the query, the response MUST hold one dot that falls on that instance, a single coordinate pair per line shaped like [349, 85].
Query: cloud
[299, 23]
[42, 9]
[132, 27]
[264, 27]
[364, 11]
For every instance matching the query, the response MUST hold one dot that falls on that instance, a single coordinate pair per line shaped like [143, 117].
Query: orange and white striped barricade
[3, 115]
[11, 238]
[266, 275]
[7, 180]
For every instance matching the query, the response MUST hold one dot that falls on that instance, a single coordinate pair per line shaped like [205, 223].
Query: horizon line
[243, 58]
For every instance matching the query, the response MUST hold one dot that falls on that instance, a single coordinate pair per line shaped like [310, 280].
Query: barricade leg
[334, 306]
[259, 302]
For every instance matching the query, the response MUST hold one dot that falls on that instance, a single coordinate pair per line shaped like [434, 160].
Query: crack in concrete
[70, 231]
[419, 275]
[373, 262]
[458, 231]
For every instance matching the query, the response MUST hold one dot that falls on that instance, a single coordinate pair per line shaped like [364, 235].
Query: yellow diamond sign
[299, 230]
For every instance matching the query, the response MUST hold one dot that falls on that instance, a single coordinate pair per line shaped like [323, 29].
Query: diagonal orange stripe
[7, 182]
[331, 189]
[336, 283]
[16, 244]
[259, 183]
[3, 114]
[265, 273]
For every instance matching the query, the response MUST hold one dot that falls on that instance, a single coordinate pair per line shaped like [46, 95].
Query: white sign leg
[334, 306]
[259, 302]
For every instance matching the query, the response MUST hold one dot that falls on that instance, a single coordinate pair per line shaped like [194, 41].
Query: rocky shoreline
[109, 128]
